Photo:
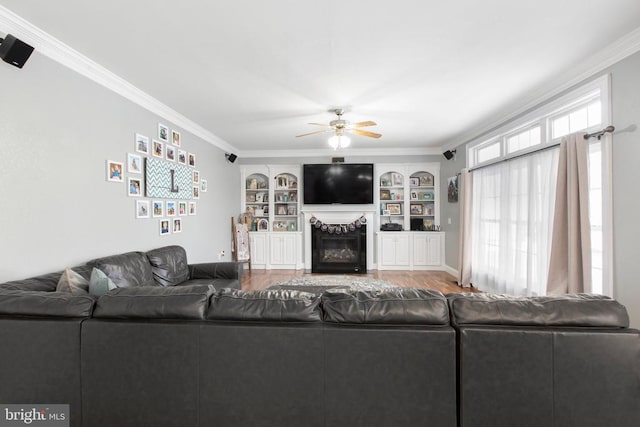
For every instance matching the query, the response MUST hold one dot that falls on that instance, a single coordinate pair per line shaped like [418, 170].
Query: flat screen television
[338, 183]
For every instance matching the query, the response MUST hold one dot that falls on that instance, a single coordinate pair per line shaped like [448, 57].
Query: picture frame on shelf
[263, 224]
[164, 227]
[414, 182]
[282, 210]
[293, 196]
[252, 184]
[163, 133]
[142, 209]
[279, 226]
[426, 180]
[385, 181]
[157, 208]
[396, 179]
[251, 197]
[385, 195]
[259, 197]
[416, 209]
[386, 212]
[115, 171]
[142, 144]
[414, 195]
[394, 208]
[291, 210]
[282, 182]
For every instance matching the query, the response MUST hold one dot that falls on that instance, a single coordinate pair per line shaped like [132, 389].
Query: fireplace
[339, 253]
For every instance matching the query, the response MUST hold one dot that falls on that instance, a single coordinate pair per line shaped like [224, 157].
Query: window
[500, 218]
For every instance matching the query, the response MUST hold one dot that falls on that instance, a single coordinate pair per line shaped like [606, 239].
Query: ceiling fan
[340, 126]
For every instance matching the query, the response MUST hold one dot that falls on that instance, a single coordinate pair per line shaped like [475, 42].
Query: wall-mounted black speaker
[14, 51]
[231, 157]
[449, 154]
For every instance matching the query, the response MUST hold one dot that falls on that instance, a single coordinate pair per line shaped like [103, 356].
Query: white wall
[57, 129]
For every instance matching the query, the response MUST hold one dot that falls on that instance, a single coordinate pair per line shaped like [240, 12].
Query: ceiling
[254, 73]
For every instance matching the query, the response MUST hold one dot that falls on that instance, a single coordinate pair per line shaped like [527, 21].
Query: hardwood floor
[436, 280]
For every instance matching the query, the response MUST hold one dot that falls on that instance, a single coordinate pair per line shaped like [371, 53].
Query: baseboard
[450, 270]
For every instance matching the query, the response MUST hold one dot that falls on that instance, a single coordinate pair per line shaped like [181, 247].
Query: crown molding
[56, 50]
[386, 152]
[596, 63]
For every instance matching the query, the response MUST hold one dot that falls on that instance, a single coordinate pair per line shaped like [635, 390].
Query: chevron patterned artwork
[168, 180]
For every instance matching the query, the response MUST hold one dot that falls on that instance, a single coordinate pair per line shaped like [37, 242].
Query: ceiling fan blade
[363, 124]
[366, 133]
[312, 133]
[319, 124]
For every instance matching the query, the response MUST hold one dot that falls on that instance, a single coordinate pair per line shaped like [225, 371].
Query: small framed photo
[192, 208]
[385, 181]
[394, 208]
[282, 210]
[196, 177]
[196, 192]
[182, 208]
[157, 208]
[416, 209]
[142, 209]
[263, 225]
[135, 187]
[164, 227]
[191, 160]
[414, 182]
[291, 210]
[171, 208]
[385, 195]
[142, 144]
[115, 171]
[163, 132]
[182, 157]
[177, 225]
[282, 182]
[158, 149]
[414, 195]
[396, 179]
[426, 181]
[170, 153]
[175, 138]
[203, 186]
[134, 163]
[385, 212]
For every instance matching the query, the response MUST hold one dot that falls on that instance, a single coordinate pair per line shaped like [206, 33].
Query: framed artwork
[385, 195]
[157, 149]
[171, 208]
[385, 182]
[175, 138]
[163, 133]
[279, 226]
[282, 210]
[291, 210]
[196, 192]
[396, 179]
[182, 208]
[142, 209]
[452, 189]
[416, 209]
[168, 180]
[177, 225]
[192, 208]
[164, 227]
[135, 187]
[385, 212]
[394, 208]
[191, 160]
[426, 181]
[282, 182]
[182, 157]
[414, 195]
[203, 186]
[115, 171]
[170, 153]
[134, 163]
[196, 177]
[414, 182]
[157, 208]
[263, 225]
[142, 144]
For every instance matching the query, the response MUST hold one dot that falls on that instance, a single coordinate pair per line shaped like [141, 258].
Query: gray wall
[450, 168]
[57, 129]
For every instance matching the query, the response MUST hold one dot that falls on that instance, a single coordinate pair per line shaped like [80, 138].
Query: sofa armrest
[216, 270]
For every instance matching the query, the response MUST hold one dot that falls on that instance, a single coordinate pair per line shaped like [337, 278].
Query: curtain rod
[598, 135]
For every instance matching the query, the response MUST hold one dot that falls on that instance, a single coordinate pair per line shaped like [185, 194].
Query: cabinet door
[258, 248]
[289, 249]
[402, 249]
[395, 249]
[434, 244]
[388, 249]
[277, 250]
[426, 249]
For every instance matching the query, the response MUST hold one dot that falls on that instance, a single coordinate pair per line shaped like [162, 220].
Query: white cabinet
[259, 248]
[284, 249]
[410, 250]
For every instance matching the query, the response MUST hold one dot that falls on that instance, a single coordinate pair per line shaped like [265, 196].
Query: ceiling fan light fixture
[339, 141]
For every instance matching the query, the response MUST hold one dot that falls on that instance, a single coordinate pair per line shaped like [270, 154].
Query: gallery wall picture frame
[177, 225]
[182, 208]
[394, 208]
[170, 153]
[163, 133]
[192, 208]
[115, 171]
[191, 160]
[157, 149]
[452, 189]
[182, 157]
[134, 163]
[196, 192]
[142, 209]
[175, 138]
[134, 188]
[171, 208]
[142, 144]
[164, 227]
[204, 186]
[196, 177]
[157, 208]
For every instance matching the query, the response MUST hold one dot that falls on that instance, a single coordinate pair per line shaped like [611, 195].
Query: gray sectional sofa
[201, 354]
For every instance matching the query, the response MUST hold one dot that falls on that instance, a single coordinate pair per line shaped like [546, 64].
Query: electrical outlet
[220, 255]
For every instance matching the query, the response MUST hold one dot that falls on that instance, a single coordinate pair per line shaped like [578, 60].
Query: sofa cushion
[562, 310]
[99, 283]
[169, 265]
[73, 283]
[155, 302]
[44, 304]
[386, 306]
[126, 270]
[45, 282]
[266, 305]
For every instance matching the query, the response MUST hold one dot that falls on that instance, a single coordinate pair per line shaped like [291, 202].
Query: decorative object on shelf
[115, 171]
[452, 189]
[252, 184]
[385, 195]
[282, 182]
[396, 179]
[414, 195]
[385, 182]
[263, 225]
[337, 228]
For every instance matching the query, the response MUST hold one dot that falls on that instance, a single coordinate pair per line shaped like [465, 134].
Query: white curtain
[466, 204]
[511, 227]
